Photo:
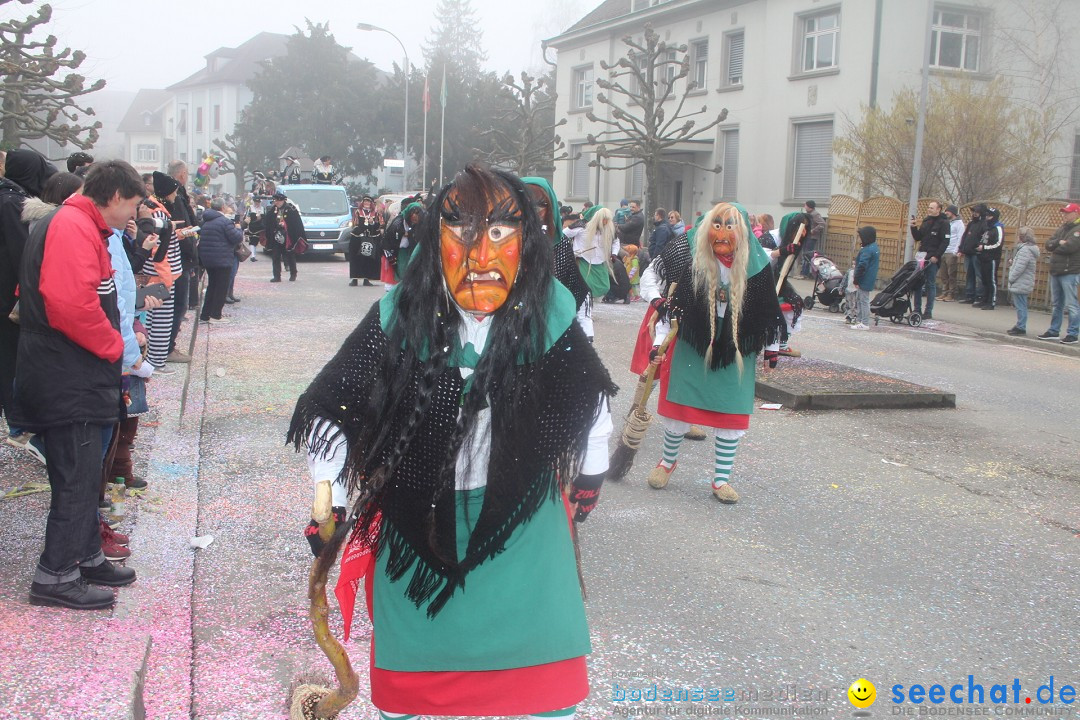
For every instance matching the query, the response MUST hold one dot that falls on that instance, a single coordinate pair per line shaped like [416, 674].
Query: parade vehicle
[326, 213]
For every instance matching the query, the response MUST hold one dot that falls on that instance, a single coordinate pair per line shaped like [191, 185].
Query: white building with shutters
[789, 72]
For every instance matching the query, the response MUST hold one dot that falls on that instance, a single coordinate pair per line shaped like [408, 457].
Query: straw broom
[637, 423]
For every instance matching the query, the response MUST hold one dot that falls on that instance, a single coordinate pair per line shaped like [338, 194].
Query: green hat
[588, 215]
[546, 186]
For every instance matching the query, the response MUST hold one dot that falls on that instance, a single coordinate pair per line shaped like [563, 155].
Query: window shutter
[812, 176]
[730, 189]
[637, 181]
[735, 59]
[580, 180]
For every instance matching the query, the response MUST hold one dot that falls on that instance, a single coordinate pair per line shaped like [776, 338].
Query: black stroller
[829, 285]
[894, 302]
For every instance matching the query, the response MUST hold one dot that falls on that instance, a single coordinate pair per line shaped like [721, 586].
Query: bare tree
[522, 135]
[641, 130]
[1032, 49]
[979, 145]
[37, 103]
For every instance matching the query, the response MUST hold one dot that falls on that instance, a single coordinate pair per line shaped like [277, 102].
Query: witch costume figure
[791, 303]
[365, 239]
[594, 244]
[565, 266]
[470, 426]
[727, 311]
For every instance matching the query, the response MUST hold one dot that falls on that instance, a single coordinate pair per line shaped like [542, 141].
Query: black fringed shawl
[566, 270]
[760, 325]
[532, 447]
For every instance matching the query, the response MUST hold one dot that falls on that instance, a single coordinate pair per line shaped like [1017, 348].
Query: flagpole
[442, 126]
[427, 106]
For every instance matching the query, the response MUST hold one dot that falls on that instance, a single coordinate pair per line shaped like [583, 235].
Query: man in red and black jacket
[68, 376]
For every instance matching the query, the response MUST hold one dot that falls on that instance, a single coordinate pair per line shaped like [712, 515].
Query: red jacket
[68, 368]
[74, 267]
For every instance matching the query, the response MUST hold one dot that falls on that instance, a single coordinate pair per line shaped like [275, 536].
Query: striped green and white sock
[725, 459]
[567, 714]
[672, 441]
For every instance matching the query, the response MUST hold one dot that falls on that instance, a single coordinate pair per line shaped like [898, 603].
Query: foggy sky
[136, 44]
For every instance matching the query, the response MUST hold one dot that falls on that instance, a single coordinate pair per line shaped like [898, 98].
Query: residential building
[789, 73]
[206, 106]
[143, 127]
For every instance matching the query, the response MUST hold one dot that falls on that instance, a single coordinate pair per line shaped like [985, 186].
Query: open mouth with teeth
[484, 277]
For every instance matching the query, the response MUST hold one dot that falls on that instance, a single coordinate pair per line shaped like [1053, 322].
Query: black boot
[352, 283]
[108, 573]
[75, 594]
[368, 283]
[277, 279]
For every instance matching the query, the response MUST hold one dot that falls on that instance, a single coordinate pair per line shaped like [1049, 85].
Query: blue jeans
[974, 277]
[1063, 290]
[809, 244]
[929, 286]
[1020, 302]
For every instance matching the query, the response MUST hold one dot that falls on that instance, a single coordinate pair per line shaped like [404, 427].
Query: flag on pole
[442, 97]
[427, 96]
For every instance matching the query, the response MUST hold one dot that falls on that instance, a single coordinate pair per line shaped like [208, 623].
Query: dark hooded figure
[24, 177]
[460, 413]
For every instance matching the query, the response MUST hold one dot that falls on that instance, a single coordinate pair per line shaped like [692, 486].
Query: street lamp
[404, 148]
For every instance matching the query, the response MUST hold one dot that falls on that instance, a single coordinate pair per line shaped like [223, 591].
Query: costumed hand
[655, 356]
[660, 305]
[311, 532]
[770, 357]
[584, 495]
[391, 258]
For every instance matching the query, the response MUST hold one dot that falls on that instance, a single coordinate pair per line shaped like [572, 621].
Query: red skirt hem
[518, 691]
[693, 415]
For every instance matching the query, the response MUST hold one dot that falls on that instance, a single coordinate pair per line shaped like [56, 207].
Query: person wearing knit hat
[947, 274]
[164, 186]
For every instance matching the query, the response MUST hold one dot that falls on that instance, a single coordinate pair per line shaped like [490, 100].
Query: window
[637, 180]
[668, 68]
[633, 84]
[730, 174]
[146, 153]
[812, 169]
[217, 117]
[182, 124]
[699, 64]
[583, 87]
[955, 40]
[579, 171]
[198, 119]
[821, 38]
[1074, 178]
[733, 55]
[147, 119]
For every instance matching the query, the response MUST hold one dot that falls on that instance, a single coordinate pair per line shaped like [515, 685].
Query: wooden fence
[891, 219]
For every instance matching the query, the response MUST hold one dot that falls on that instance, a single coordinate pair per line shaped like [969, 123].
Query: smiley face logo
[862, 693]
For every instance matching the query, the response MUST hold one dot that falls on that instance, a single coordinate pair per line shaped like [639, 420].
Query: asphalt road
[904, 546]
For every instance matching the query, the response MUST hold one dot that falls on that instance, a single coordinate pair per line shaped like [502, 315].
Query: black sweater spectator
[933, 234]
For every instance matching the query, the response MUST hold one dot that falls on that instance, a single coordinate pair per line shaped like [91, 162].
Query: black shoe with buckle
[76, 595]
[108, 573]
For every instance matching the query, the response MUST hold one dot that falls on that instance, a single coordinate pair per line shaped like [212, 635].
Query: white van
[326, 213]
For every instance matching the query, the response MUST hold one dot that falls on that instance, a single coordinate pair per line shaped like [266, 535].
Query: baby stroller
[829, 285]
[894, 301]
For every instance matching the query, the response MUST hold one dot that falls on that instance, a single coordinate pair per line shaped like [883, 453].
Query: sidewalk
[957, 318]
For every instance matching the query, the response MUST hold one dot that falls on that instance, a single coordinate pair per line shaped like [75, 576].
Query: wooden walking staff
[637, 424]
[309, 700]
[790, 259]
